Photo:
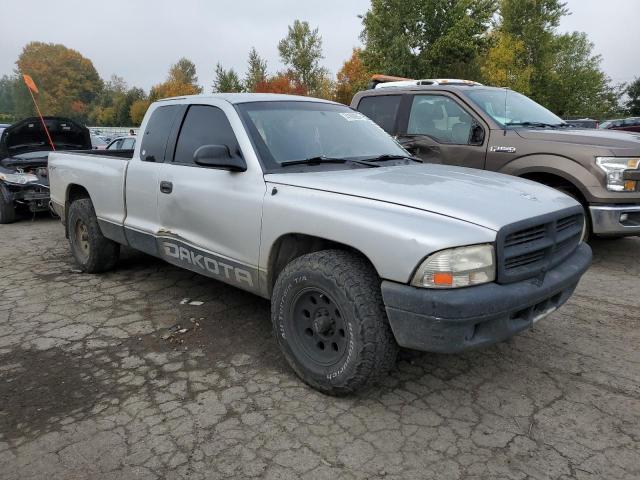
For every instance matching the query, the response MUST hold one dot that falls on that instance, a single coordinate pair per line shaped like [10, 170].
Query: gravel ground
[95, 384]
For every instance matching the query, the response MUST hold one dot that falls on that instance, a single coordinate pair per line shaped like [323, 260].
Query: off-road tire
[350, 283]
[7, 209]
[93, 252]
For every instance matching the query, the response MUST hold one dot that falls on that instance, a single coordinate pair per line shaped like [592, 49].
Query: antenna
[504, 133]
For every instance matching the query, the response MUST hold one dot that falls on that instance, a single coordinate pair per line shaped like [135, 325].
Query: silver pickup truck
[360, 247]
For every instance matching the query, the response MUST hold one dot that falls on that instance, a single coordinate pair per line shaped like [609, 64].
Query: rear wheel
[330, 322]
[92, 251]
[7, 209]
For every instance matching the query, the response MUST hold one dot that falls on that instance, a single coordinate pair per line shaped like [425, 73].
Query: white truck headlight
[457, 267]
[614, 168]
[19, 178]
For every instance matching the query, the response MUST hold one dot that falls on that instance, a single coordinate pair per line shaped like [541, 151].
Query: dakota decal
[207, 264]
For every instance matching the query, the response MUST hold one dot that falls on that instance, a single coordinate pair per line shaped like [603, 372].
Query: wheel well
[293, 245]
[74, 192]
[556, 181]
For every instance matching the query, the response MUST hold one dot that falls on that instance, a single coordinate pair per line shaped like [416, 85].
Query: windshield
[520, 110]
[289, 130]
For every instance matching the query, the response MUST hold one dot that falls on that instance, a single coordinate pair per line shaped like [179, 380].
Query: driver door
[439, 130]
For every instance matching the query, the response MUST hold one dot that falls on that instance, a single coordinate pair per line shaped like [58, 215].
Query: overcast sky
[140, 40]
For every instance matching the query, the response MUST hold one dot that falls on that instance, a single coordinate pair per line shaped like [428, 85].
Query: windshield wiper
[536, 124]
[390, 156]
[320, 159]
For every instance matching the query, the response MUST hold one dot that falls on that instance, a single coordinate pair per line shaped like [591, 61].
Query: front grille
[528, 249]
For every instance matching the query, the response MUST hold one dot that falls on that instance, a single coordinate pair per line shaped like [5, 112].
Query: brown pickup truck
[458, 122]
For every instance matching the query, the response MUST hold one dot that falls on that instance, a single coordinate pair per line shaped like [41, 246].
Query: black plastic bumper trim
[450, 321]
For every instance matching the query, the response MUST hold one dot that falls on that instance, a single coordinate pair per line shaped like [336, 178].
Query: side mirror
[476, 136]
[218, 156]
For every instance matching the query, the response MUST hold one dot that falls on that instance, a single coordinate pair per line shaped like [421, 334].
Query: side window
[204, 125]
[156, 134]
[128, 144]
[441, 118]
[382, 109]
[117, 145]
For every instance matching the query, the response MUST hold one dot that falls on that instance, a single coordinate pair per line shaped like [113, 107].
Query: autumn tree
[256, 71]
[283, 83]
[182, 80]
[633, 93]
[137, 111]
[68, 82]
[352, 77]
[506, 65]
[226, 81]
[426, 38]
[301, 52]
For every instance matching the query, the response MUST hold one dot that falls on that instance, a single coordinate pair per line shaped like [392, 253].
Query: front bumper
[35, 197]
[450, 321]
[615, 220]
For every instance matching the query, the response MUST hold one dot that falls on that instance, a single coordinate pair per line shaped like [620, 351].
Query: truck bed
[99, 172]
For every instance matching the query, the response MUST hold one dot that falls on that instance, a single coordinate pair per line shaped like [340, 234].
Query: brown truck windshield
[512, 109]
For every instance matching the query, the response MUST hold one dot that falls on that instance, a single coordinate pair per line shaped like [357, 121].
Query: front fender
[563, 167]
[393, 237]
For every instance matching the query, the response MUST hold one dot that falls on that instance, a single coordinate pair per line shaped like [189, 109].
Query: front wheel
[7, 209]
[93, 252]
[330, 322]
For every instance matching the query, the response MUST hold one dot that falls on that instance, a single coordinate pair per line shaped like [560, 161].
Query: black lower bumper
[450, 321]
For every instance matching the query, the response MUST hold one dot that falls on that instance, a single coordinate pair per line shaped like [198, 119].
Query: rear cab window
[382, 109]
[157, 132]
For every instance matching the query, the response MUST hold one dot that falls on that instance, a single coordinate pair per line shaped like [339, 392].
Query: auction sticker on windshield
[353, 116]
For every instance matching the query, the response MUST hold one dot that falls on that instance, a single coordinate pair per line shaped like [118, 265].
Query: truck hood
[488, 199]
[620, 143]
[28, 135]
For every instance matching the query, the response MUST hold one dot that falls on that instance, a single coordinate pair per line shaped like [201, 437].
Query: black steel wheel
[330, 322]
[318, 325]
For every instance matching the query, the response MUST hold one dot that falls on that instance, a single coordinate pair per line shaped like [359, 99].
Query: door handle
[166, 187]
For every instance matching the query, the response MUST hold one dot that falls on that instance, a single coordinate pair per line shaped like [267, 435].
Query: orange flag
[31, 85]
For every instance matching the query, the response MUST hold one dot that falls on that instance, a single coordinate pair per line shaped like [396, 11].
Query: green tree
[8, 84]
[633, 102]
[182, 80]
[113, 105]
[577, 85]
[505, 64]
[256, 71]
[426, 38]
[533, 23]
[226, 81]
[301, 52]
[67, 81]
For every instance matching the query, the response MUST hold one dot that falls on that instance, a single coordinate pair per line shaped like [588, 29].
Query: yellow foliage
[505, 64]
[137, 111]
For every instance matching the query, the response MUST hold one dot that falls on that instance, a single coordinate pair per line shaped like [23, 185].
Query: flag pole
[44, 125]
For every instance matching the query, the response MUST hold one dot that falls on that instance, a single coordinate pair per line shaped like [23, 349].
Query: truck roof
[235, 98]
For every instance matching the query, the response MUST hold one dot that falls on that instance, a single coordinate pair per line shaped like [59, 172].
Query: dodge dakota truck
[360, 247]
[464, 123]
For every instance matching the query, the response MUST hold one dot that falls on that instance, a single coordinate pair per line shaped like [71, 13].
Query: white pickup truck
[360, 247]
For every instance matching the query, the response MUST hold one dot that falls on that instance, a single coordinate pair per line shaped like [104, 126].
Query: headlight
[457, 267]
[614, 167]
[20, 178]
